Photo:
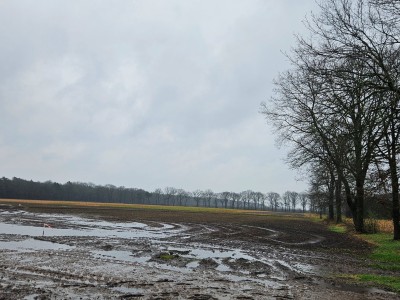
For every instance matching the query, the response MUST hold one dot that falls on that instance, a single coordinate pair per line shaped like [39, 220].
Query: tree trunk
[394, 176]
[395, 199]
[349, 198]
[359, 201]
[338, 200]
[331, 215]
[396, 213]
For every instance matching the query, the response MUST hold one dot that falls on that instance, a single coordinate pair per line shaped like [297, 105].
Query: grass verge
[339, 228]
[385, 255]
[390, 282]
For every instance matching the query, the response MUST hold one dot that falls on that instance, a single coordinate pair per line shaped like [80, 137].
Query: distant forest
[17, 188]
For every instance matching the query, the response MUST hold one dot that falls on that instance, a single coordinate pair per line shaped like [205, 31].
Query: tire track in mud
[69, 279]
[265, 234]
[275, 234]
[161, 288]
[201, 261]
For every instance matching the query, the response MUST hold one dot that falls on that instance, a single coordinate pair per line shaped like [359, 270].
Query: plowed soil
[53, 252]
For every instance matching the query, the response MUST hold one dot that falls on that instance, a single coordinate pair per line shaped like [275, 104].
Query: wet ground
[93, 253]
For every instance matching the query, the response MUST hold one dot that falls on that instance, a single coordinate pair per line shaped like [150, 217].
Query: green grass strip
[338, 228]
[386, 256]
[387, 252]
[392, 282]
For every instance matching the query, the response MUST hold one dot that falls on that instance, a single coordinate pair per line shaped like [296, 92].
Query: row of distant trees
[17, 188]
[289, 201]
[338, 106]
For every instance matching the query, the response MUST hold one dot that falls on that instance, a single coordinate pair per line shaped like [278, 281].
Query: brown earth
[201, 256]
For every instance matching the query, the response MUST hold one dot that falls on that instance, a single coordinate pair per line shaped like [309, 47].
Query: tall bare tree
[286, 200]
[337, 92]
[169, 195]
[234, 198]
[181, 196]
[258, 197]
[273, 199]
[303, 197]
[224, 198]
[197, 196]
[207, 195]
[157, 194]
[294, 197]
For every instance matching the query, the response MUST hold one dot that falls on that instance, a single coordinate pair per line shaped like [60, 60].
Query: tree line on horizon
[289, 201]
[338, 107]
[17, 188]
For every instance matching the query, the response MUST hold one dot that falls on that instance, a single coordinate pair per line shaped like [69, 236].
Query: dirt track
[98, 253]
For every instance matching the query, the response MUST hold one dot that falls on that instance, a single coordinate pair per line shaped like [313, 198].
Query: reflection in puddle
[193, 265]
[33, 244]
[120, 255]
[202, 252]
[223, 268]
[94, 228]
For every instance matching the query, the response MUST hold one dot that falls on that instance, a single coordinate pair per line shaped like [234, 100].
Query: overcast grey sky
[145, 93]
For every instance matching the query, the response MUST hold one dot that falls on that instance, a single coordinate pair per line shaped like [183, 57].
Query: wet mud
[62, 253]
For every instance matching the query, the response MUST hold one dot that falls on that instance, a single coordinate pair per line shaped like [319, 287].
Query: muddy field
[99, 253]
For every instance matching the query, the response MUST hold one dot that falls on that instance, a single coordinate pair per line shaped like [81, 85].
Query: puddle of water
[120, 255]
[223, 268]
[127, 233]
[304, 268]
[86, 227]
[105, 224]
[32, 244]
[203, 253]
[4, 212]
[192, 265]
[219, 256]
[82, 227]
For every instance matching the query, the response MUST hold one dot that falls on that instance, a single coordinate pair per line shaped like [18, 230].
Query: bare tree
[216, 199]
[273, 199]
[257, 198]
[207, 195]
[338, 91]
[181, 196]
[286, 200]
[224, 198]
[169, 195]
[246, 197]
[157, 194]
[197, 194]
[303, 197]
[369, 31]
[293, 199]
[235, 198]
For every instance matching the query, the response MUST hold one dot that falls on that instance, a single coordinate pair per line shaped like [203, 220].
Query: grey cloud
[144, 93]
